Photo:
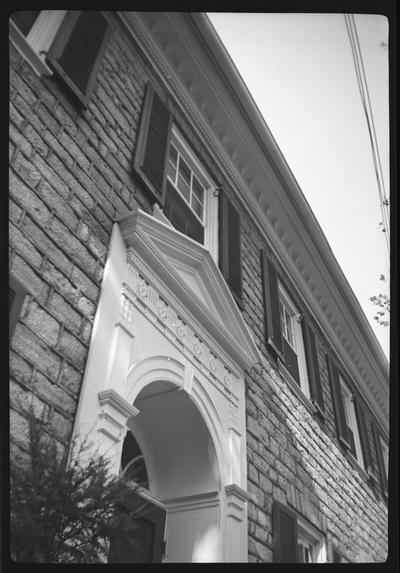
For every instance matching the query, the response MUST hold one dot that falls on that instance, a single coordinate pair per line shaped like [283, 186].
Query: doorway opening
[170, 448]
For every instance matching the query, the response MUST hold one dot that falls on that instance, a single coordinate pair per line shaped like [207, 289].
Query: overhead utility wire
[383, 199]
[360, 72]
[361, 79]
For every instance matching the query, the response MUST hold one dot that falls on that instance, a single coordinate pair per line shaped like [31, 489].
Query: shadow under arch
[177, 432]
[176, 422]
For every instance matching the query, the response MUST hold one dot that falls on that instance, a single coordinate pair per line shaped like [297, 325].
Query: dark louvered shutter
[381, 463]
[338, 406]
[230, 261]
[16, 295]
[284, 534]
[273, 332]
[152, 144]
[76, 52]
[314, 378]
[364, 439]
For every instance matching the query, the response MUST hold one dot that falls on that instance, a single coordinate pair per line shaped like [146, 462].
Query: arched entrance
[166, 363]
[182, 473]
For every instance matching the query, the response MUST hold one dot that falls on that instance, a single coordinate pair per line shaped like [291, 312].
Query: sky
[300, 72]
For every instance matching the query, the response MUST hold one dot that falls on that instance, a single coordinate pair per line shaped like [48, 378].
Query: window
[32, 32]
[67, 43]
[292, 341]
[295, 540]
[191, 204]
[350, 418]
[310, 543]
[351, 421]
[183, 191]
[186, 179]
[291, 338]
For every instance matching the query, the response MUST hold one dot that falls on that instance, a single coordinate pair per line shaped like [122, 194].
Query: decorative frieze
[137, 291]
[126, 312]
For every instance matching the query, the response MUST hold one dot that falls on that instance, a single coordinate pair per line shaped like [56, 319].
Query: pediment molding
[171, 258]
[191, 64]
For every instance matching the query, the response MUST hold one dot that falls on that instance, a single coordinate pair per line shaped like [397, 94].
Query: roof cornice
[195, 68]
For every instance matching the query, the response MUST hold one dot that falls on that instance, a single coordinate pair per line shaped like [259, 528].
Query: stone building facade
[169, 283]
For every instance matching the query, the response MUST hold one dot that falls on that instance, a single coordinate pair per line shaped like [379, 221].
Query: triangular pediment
[188, 270]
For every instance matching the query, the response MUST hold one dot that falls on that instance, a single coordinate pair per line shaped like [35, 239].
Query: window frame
[351, 419]
[210, 201]
[223, 229]
[289, 530]
[35, 45]
[308, 533]
[298, 339]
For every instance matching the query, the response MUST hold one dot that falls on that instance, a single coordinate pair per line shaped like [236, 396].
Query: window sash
[186, 189]
[351, 420]
[291, 316]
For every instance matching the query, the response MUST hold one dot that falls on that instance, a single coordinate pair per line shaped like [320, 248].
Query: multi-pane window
[351, 421]
[68, 43]
[290, 336]
[186, 181]
[293, 343]
[183, 191]
[295, 539]
[190, 204]
[305, 551]
[310, 543]
[33, 32]
[287, 323]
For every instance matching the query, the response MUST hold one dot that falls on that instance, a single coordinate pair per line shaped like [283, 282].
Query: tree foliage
[382, 302]
[66, 513]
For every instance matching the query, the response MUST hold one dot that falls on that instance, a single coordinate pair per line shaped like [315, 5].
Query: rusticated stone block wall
[295, 458]
[70, 179]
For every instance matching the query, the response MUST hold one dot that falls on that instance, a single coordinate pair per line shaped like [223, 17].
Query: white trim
[311, 535]
[25, 49]
[242, 144]
[298, 339]
[44, 30]
[351, 419]
[163, 250]
[34, 47]
[210, 201]
[296, 388]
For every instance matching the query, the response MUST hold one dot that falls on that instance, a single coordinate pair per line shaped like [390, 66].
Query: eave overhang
[195, 68]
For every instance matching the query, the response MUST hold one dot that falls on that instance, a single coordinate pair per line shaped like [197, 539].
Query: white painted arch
[162, 365]
[176, 376]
